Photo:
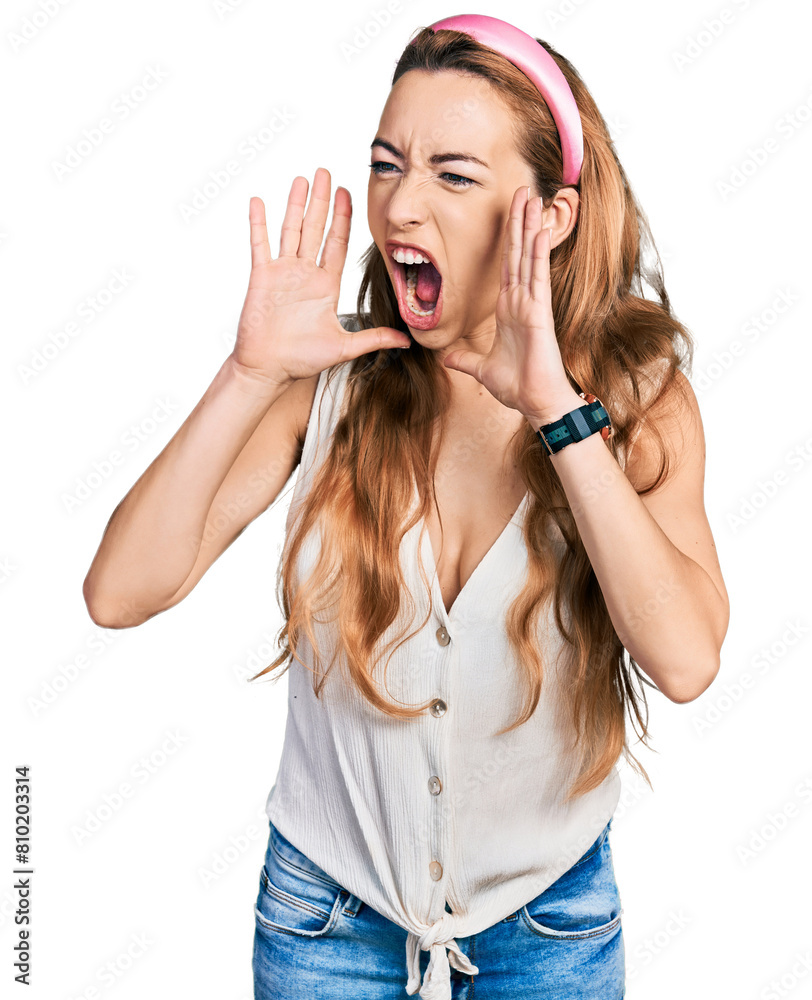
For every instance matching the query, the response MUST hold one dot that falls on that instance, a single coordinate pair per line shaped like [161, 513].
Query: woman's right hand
[289, 328]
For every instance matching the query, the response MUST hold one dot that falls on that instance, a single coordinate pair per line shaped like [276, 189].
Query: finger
[540, 284]
[260, 251]
[468, 362]
[292, 223]
[316, 215]
[515, 230]
[506, 253]
[334, 255]
[366, 341]
[505, 274]
[532, 225]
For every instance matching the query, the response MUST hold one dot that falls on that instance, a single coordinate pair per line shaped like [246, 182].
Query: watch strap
[576, 425]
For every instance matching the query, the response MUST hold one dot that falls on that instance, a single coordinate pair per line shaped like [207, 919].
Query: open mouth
[419, 291]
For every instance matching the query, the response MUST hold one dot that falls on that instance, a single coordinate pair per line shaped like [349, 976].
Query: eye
[377, 167]
[380, 167]
[460, 181]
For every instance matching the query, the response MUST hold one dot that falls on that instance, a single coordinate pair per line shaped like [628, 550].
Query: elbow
[103, 620]
[692, 685]
[102, 616]
[111, 614]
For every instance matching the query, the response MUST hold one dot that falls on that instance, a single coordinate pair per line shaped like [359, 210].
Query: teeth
[411, 294]
[409, 257]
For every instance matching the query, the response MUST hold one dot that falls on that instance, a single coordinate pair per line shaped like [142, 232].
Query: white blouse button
[442, 636]
[438, 708]
[436, 870]
[435, 785]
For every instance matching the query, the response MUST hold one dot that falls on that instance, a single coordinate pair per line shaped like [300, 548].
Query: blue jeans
[314, 940]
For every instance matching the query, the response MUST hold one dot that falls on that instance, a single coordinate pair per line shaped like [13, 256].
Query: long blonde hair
[610, 337]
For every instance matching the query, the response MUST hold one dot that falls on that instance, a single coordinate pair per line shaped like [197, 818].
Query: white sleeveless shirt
[408, 814]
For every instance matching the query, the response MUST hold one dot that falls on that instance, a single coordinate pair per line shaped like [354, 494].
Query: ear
[562, 215]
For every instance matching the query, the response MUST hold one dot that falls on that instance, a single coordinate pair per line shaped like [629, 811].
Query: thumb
[464, 361]
[378, 338]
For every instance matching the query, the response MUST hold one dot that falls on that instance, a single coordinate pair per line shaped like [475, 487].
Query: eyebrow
[435, 159]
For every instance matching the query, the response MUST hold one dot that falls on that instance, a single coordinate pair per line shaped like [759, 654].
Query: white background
[691, 100]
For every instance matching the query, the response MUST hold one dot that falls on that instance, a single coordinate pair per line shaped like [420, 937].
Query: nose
[406, 204]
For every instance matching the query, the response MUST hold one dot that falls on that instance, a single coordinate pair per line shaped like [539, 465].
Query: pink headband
[537, 64]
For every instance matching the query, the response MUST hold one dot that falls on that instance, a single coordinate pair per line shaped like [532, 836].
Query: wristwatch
[576, 425]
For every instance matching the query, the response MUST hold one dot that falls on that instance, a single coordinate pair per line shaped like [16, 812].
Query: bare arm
[654, 556]
[225, 465]
[238, 447]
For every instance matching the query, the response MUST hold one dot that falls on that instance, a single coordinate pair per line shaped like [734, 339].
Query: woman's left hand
[524, 369]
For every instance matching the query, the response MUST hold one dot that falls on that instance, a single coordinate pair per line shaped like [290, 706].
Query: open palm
[289, 327]
[523, 369]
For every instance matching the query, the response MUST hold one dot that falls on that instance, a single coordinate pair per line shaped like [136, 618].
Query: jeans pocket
[295, 895]
[583, 903]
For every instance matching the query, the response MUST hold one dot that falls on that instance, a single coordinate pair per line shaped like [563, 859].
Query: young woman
[473, 545]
